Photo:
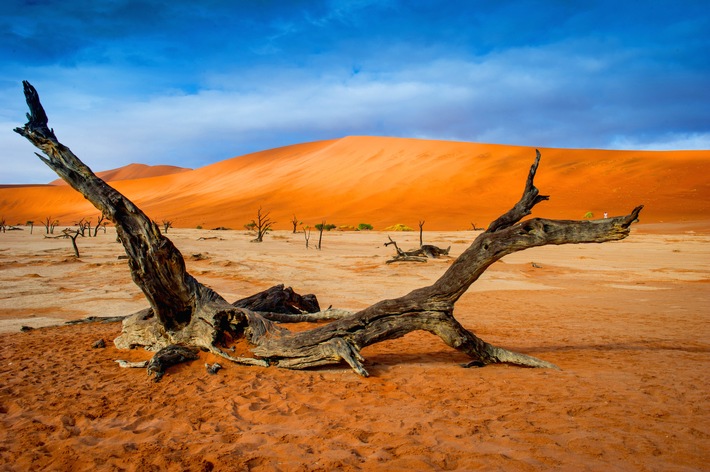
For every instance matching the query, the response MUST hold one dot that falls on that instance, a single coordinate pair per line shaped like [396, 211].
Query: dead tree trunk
[185, 312]
[73, 235]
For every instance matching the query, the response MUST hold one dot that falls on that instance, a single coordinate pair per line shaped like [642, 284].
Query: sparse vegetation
[364, 227]
[325, 227]
[588, 215]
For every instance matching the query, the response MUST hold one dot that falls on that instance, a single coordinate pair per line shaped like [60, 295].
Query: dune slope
[383, 181]
[133, 171]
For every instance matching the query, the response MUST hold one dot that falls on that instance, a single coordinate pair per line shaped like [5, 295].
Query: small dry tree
[307, 234]
[261, 225]
[100, 224]
[73, 234]
[31, 224]
[49, 224]
[295, 224]
[167, 224]
[421, 232]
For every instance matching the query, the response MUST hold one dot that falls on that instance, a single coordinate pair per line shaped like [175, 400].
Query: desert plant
[31, 224]
[364, 227]
[167, 224]
[588, 215]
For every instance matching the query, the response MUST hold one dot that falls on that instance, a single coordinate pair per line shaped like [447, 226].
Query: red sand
[385, 181]
[133, 171]
[627, 322]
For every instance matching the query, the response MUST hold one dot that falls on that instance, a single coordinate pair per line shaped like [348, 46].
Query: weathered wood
[186, 313]
[280, 299]
[416, 255]
[167, 357]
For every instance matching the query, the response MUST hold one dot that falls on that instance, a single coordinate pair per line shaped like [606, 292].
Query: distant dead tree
[307, 234]
[417, 255]
[421, 232]
[475, 228]
[83, 225]
[31, 224]
[73, 234]
[3, 225]
[167, 224]
[100, 223]
[261, 225]
[320, 229]
[184, 312]
[49, 224]
[295, 224]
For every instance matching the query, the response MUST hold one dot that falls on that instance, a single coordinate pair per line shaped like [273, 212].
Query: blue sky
[189, 83]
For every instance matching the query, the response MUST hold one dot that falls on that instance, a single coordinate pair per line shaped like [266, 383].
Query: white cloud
[667, 142]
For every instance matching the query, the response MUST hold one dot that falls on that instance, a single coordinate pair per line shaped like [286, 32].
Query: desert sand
[132, 172]
[384, 181]
[627, 322]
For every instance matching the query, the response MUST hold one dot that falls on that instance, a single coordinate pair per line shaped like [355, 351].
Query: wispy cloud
[196, 83]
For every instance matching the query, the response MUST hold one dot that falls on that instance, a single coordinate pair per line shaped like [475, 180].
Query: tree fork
[184, 312]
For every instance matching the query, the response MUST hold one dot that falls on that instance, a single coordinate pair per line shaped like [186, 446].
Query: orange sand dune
[384, 181]
[133, 171]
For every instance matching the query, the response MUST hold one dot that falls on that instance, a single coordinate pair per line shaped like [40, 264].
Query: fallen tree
[184, 312]
[416, 255]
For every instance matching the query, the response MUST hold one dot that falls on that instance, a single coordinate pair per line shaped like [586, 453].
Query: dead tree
[295, 224]
[261, 225]
[320, 229]
[46, 223]
[31, 224]
[167, 224]
[421, 232]
[84, 225]
[185, 312]
[100, 223]
[307, 234]
[3, 224]
[73, 234]
[417, 255]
